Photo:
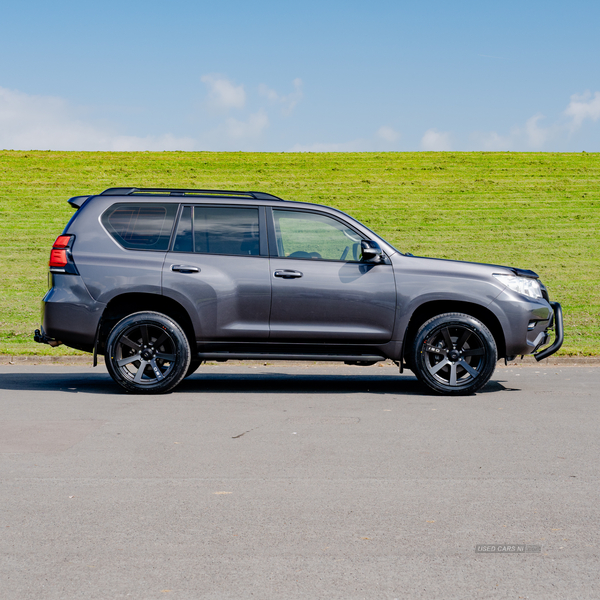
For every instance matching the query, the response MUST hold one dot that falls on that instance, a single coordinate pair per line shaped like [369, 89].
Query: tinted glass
[310, 235]
[226, 230]
[184, 242]
[145, 226]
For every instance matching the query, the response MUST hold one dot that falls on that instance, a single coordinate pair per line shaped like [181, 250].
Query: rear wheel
[147, 353]
[454, 354]
[194, 366]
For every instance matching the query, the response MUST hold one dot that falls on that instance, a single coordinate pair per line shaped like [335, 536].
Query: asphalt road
[298, 482]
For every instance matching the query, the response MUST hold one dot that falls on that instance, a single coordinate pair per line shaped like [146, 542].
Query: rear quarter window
[146, 226]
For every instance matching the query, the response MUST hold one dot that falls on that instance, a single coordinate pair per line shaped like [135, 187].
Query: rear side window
[145, 226]
[228, 230]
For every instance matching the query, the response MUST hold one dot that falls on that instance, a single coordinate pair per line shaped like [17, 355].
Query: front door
[321, 291]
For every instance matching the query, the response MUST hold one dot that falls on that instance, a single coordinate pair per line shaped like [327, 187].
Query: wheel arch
[126, 304]
[428, 310]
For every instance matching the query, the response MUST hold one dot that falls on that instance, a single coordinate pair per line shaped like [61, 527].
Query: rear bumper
[69, 314]
[557, 324]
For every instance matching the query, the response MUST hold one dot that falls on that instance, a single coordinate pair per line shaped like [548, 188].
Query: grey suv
[159, 281]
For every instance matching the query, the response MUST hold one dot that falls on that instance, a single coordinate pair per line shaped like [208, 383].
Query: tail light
[60, 255]
[63, 241]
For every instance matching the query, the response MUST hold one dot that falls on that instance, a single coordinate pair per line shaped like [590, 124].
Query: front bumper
[557, 325]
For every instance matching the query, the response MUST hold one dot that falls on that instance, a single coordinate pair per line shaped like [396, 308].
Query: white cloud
[583, 107]
[151, 143]
[535, 135]
[380, 141]
[388, 134]
[222, 94]
[491, 141]
[436, 141]
[532, 135]
[252, 128]
[352, 146]
[287, 102]
[268, 93]
[29, 122]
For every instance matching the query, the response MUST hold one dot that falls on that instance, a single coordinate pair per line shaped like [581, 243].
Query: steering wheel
[345, 253]
[303, 254]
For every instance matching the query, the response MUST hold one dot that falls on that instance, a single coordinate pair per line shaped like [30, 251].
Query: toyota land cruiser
[160, 280]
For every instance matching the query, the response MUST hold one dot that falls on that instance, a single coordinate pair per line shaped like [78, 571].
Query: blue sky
[310, 76]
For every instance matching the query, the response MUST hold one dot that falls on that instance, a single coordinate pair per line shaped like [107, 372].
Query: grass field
[533, 210]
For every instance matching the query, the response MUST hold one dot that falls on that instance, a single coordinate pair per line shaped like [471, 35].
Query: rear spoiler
[77, 201]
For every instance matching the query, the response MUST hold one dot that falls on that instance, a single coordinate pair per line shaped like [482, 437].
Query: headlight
[521, 285]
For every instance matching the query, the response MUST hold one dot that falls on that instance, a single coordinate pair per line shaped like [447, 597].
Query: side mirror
[371, 251]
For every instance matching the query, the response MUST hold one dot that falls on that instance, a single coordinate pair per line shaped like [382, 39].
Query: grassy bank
[533, 210]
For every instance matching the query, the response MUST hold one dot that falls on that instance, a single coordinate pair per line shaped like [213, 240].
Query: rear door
[321, 291]
[218, 268]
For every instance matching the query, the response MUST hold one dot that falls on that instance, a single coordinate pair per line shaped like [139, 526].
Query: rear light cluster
[60, 254]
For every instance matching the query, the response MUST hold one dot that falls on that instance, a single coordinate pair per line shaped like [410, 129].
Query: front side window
[144, 226]
[228, 230]
[314, 236]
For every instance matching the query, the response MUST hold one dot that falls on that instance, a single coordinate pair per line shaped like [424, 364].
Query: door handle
[184, 269]
[287, 274]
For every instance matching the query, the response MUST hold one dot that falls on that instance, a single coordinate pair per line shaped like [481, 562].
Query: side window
[184, 241]
[144, 226]
[228, 230]
[311, 235]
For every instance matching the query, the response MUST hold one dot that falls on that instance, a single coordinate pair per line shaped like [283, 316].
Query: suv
[160, 280]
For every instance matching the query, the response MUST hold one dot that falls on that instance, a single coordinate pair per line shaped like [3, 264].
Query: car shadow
[290, 383]
[305, 383]
[69, 383]
[247, 383]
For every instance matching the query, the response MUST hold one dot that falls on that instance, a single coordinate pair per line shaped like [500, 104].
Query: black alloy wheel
[454, 354]
[147, 353]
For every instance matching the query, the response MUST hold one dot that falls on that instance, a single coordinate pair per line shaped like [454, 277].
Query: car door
[218, 268]
[321, 290]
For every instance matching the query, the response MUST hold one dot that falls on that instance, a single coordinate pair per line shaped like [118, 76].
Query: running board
[282, 356]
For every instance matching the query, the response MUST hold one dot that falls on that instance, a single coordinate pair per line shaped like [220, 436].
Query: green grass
[531, 210]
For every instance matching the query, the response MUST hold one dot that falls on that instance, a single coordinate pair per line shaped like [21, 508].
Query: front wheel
[147, 353]
[454, 354]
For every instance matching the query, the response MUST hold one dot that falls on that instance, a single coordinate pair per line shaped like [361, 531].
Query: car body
[247, 275]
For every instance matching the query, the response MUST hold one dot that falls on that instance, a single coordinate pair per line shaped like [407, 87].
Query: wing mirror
[371, 251]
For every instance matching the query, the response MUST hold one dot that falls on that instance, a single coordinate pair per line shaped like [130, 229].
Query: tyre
[454, 354]
[194, 365]
[147, 353]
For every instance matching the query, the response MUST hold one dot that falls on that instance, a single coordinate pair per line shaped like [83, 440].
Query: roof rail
[184, 192]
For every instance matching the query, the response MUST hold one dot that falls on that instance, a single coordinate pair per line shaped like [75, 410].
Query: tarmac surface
[297, 481]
